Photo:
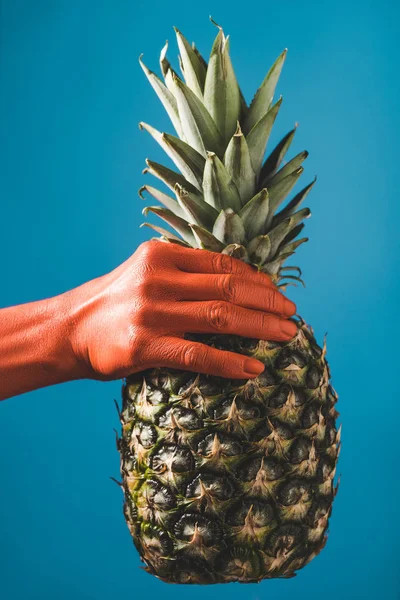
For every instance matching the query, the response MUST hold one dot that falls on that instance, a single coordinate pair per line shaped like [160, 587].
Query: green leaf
[293, 245]
[257, 139]
[228, 228]
[198, 126]
[221, 91]
[290, 167]
[279, 191]
[197, 210]
[292, 235]
[280, 232]
[273, 161]
[164, 95]
[164, 232]
[205, 239]
[167, 176]
[272, 267]
[254, 214]
[238, 164]
[236, 251]
[293, 205]
[218, 187]
[187, 159]
[259, 249]
[193, 68]
[165, 65]
[264, 96]
[199, 56]
[166, 200]
[180, 225]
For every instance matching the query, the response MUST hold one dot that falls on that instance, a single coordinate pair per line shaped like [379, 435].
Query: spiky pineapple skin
[231, 480]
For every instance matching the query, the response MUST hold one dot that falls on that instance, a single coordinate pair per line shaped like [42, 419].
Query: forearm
[34, 347]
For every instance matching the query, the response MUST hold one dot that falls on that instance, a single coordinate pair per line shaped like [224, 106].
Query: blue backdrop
[72, 94]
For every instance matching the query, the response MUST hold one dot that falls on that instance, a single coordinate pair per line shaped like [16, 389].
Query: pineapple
[229, 480]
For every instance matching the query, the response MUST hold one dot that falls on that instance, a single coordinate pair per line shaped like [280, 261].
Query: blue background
[72, 94]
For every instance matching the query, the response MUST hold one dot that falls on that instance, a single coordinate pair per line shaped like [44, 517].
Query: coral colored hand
[135, 317]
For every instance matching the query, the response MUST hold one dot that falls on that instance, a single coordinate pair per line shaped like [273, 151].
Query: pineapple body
[228, 480]
[231, 480]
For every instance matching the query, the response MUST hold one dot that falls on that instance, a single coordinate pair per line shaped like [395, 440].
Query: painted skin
[135, 318]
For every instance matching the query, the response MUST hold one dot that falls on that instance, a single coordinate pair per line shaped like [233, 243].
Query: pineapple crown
[226, 196]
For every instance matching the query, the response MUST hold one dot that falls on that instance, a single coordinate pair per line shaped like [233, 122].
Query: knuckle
[190, 356]
[222, 263]
[147, 249]
[272, 300]
[229, 288]
[267, 323]
[144, 315]
[218, 315]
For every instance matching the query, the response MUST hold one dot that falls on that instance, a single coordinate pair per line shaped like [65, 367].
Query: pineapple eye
[221, 488]
[173, 458]
[156, 541]
[147, 436]
[313, 377]
[300, 449]
[188, 418]
[294, 491]
[229, 446]
[284, 538]
[310, 416]
[158, 495]
[197, 528]
[288, 357]
[262, 513]
[325, 468]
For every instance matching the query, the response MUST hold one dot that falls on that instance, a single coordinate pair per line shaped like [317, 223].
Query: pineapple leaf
[229, 228]
[237, 251]
[193, 69]
[257, 138]
[264, 96]
[290, 167]
[259, 249]
[279, 191]
[272, 267]
[218, 187]
[291, 236]
[280, 232]
[205, 239]
[180, 225]
[221, 91]
[164, 199]
[293, 245]
[238, 164]
[293, 205]
[199, 56]
[164, 232]
[197, 124]
[167, 176]
[254, 213]
[165, 65]
[186, 158]
[202, 213]
[273, 161]
[294, 277]
[165, 96]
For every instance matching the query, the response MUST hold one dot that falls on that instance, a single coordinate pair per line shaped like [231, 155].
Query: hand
[135, 317]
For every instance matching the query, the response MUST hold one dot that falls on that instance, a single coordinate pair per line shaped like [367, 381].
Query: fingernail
[253, 366]
[288, 327]
[289, 307]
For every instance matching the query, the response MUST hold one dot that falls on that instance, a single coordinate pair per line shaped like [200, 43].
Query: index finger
[193, 260]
